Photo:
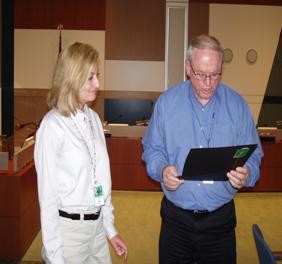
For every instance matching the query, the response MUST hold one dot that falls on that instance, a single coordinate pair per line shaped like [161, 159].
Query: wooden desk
[19, 211]
[129, 171]
[271, 169]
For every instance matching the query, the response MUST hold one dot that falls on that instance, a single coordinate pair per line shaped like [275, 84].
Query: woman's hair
[70, 76]
[204, 42]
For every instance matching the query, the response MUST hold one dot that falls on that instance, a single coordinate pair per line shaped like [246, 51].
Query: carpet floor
[138, 221]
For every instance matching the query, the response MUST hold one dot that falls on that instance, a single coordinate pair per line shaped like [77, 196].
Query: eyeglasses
[204, 76]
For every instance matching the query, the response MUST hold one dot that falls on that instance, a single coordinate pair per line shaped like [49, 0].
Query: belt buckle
[199, 211]
[81, 217]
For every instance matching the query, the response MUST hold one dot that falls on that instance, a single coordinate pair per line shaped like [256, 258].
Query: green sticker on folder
[241, 153]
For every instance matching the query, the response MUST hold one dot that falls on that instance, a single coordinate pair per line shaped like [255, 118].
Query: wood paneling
[19, 212]
[271, 169]
[30, 106]
[129, 171]
[135, 30]
[72, 14]
[198, 26]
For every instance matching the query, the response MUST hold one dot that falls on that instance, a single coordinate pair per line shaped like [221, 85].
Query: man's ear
[188, 69]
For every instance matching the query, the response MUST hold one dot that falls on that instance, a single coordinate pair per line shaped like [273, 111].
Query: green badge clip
[99, 191]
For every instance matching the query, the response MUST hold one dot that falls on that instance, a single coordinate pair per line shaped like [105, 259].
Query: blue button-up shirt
[179, 122]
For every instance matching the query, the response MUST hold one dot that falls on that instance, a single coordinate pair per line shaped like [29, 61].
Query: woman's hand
[119, 246]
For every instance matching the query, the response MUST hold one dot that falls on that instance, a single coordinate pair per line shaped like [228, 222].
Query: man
[198, 218]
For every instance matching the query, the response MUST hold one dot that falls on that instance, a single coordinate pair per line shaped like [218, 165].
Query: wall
[240, 28]
[36, 51]
[134, 42]
[135, 37]
[128, 34]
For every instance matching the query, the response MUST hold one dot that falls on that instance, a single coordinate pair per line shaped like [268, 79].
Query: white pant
[84, 241]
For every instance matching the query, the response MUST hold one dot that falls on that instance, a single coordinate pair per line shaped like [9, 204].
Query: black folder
[212, 164]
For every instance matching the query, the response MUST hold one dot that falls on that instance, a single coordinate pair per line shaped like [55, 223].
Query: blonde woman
[72, 164]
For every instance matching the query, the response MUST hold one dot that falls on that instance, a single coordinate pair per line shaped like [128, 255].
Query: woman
[72, 164]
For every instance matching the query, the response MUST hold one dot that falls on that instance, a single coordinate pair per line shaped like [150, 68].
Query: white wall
[134, 75]
[36, 52]
[244, 27]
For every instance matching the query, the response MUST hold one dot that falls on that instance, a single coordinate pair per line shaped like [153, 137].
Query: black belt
[193, 212]
[198, 211]
[77, 216]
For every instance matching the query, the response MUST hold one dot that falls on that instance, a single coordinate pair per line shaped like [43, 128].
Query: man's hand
[238, 177]
[170, 178]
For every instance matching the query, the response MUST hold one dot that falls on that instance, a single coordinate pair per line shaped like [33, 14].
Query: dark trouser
[188, 237]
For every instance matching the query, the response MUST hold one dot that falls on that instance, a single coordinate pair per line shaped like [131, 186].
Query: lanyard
[88, 140]
[208, 136]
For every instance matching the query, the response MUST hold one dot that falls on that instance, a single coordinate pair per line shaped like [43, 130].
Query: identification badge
[98, 195]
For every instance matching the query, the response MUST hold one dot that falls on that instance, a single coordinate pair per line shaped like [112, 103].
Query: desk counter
[129, 171]
[19, 211]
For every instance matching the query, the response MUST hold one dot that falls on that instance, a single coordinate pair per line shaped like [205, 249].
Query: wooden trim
[72, 14]
[27, 92]
[128, 94]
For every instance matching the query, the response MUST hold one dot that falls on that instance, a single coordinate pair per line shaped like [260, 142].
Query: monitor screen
[127, 111]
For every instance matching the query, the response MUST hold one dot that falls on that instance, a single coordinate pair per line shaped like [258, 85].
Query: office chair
[266, 256]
